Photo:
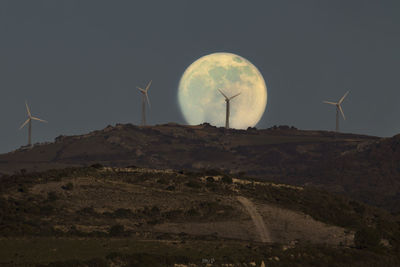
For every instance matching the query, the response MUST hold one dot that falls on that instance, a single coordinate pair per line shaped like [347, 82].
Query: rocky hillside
[102, 216]
[363, 167]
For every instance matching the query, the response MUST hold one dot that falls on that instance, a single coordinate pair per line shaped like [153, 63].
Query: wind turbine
[29, 120]
[338, 108]
[227, 100]
[145, 97]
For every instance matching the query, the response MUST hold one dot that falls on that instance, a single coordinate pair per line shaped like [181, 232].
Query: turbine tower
[338, 109]
[227, 100]
[145, 98]
[29, 121]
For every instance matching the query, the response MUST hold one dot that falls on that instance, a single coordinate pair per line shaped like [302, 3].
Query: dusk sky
[78, 63]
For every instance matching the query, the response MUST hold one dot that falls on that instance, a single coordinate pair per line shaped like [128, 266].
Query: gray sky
[78, 62]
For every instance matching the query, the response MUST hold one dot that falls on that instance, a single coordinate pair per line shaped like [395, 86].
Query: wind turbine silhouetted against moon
[200, 100]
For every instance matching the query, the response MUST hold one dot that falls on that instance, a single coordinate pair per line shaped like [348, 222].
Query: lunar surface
[199, 98]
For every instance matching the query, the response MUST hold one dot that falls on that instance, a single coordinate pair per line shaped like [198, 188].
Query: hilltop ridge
[365, 167]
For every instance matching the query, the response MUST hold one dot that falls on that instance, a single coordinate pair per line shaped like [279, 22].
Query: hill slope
[364, 167]
[136, 210]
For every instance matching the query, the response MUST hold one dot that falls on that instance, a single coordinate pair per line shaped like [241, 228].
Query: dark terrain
[102, 216]
[173, 195]
[365, 168]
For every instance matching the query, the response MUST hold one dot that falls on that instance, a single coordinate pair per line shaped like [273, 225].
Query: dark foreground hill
[101, 216]
[363, 167]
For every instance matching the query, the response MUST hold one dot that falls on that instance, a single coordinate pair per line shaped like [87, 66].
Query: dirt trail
[258, 221]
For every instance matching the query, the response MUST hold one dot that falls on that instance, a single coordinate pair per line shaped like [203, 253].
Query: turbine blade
[27, 109]
[341, 100]
[141, 90]
[223, 94]
[331, 103]
[232, 97]
[341, 111]
[37, 119]
[22, 126]
[148, 86]
[148, 101]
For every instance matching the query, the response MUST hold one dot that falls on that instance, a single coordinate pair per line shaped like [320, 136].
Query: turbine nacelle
[227, 100]
[144, 92]
[338, 109]
[29, 120]
[30, 117]
[144, 99]
[338, 104]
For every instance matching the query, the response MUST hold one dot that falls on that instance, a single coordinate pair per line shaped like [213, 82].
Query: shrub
[89, 263]
[170, 188]
[226, 179]
[212, 187]
[116, 230]
[193, 184]
[155, 210]
[97, 166]
[366, 238]
[122, 213]
[212, 172]
[153, 222]
[210, 179]
[162, 181]
[241, 174]
[172, 214]
[52, 196]
[87, 210]
[46, 210]
[22, 188]
[68, 186]
[132, 167]
[192, 213]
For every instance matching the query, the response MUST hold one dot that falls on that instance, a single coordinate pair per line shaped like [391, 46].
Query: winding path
[258, 221]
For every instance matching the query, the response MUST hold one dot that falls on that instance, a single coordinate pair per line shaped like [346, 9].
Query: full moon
[199, 98]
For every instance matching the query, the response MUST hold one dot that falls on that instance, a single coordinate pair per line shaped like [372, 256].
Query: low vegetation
[81, 205]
